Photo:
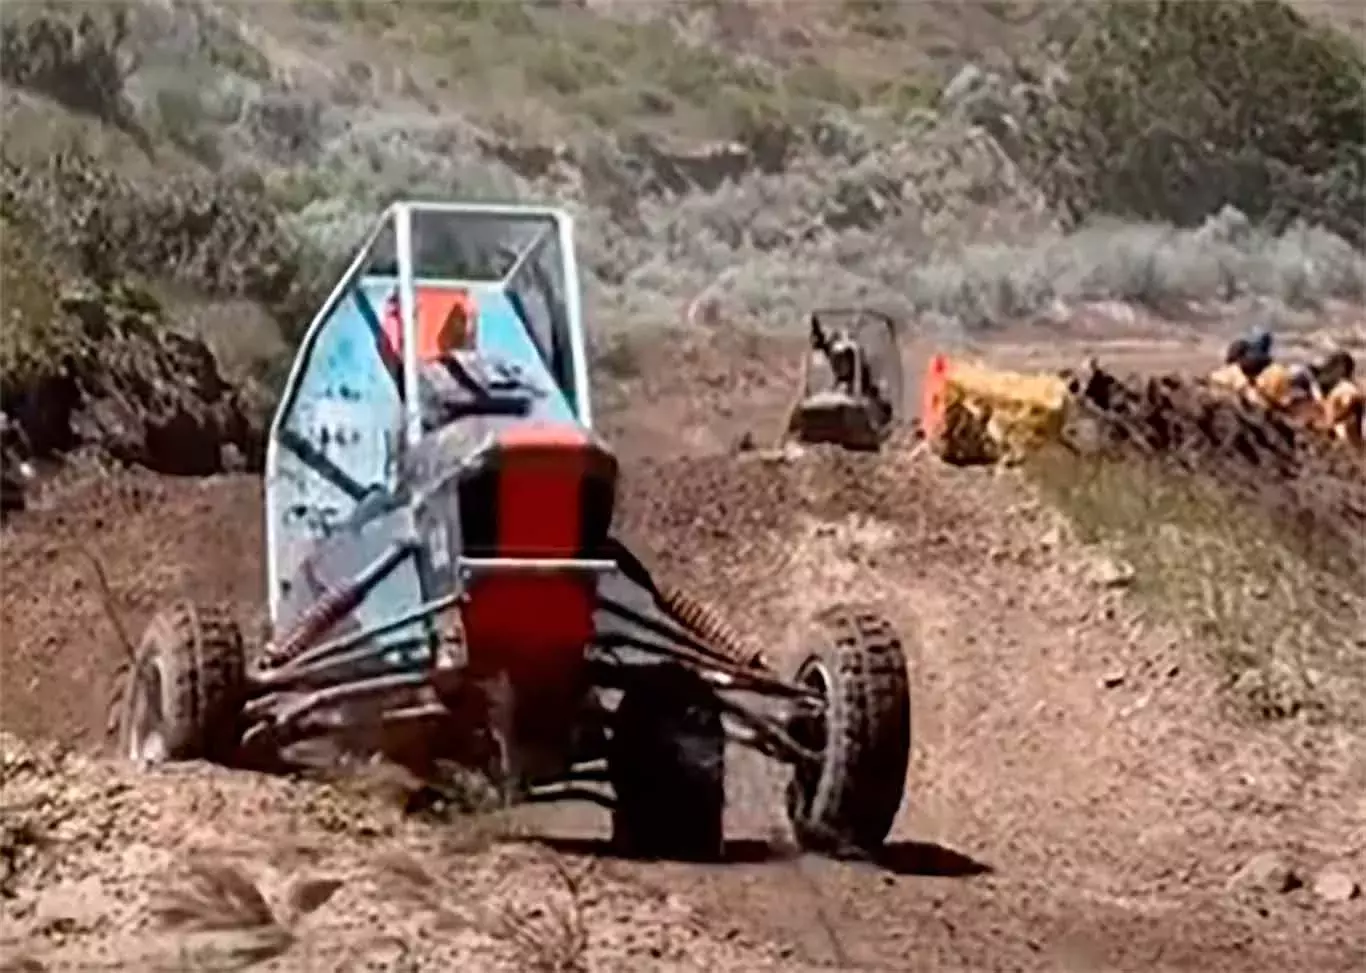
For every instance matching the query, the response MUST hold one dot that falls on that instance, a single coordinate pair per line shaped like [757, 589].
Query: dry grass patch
[1284, 621]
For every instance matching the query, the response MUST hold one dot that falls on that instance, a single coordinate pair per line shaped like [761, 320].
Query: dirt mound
[139, 392]
[1297, 475]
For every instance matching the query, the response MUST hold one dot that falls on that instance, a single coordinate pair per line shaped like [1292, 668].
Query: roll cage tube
[389, 250]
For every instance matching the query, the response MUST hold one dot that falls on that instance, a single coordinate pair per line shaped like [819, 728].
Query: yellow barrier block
[990, 415]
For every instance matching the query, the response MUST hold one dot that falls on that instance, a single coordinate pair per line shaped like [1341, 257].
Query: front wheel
[849, 800]
[184, 692]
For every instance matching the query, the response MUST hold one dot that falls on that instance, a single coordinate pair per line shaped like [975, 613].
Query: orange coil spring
[706, 623]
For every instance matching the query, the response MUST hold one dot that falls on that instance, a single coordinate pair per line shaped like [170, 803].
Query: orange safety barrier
[934, 396]
[446, 319]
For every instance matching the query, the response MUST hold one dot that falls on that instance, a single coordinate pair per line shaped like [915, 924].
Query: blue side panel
[348, 415]
[502, 334]
[341, 558]
[347, 410]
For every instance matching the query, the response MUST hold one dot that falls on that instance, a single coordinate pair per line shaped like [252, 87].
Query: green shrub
[34, 339]
[221, 237]
[1171, 110]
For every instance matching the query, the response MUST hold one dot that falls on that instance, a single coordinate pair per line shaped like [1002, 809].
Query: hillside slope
[1090, 789]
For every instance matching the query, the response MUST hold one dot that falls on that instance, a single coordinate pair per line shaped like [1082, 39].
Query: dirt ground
[1079, 799]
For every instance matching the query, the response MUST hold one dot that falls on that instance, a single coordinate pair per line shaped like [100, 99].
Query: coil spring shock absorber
[333, 604]
[706, 623]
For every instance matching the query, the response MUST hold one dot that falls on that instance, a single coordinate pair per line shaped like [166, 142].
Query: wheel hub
[145, 741]
[811, 729]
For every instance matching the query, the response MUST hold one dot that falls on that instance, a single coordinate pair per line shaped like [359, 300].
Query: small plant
[876, 18]
[553, 938]
[213, 896]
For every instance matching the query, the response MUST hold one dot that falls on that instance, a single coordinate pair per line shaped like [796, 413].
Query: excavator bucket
[851, 390]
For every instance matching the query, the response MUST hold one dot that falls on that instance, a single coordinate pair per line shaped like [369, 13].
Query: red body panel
[540, 621]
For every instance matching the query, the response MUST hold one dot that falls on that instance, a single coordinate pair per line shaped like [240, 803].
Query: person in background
[1253, 348]
[1274, 387]
[1341, 399]
[1273, 384]
[1245, 360]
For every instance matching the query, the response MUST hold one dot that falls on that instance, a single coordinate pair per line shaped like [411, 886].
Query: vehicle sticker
[438, 544]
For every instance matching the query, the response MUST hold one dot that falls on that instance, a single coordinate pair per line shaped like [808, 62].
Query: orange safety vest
[1275, 386]
[1231, 378]
[1342, 411]
[446, 320]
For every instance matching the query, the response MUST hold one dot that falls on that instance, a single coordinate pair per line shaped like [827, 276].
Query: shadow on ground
[929, 860]
[922, 858]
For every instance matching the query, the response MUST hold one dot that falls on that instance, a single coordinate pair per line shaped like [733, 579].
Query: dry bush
[85, 364]
[218, 235]
[77, 55]
[223, 920]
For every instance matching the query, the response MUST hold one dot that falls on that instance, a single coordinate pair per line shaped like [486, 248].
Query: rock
[1267, 872]
[231, 459]
[72, 906]
[787, 453]
[1112, 680]
[1332, 885]
[1112, 573]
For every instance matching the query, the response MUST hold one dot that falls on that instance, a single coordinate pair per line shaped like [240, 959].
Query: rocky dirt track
[1078, 801]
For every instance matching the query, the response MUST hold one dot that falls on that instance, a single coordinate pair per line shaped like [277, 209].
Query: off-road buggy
[851, 385]
[443, 576]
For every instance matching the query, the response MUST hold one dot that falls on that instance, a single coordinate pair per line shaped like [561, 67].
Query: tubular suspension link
[331, 607]
[334, 604]
[705, 622]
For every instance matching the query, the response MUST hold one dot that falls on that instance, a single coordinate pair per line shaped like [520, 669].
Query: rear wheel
[184, 693]
[666, 761]
[849, 800]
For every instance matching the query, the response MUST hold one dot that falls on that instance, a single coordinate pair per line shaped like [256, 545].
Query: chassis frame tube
[293, 711]
[469, 568]
[684, 646]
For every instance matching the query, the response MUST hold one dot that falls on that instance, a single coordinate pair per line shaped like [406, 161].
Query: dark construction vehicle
[442, 568]
[851, 385]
